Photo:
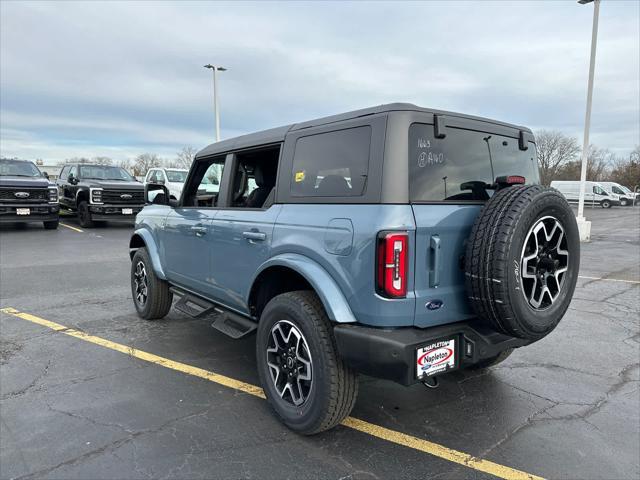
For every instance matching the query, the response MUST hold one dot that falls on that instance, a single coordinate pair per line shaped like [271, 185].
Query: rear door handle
[256, 236]
[199, 230]
[434, 249]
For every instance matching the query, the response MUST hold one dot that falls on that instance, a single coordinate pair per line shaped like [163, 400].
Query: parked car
[627, 197]
[26, 195]
[172, 178]
[100, 193]
[594, 193]
[396, 241]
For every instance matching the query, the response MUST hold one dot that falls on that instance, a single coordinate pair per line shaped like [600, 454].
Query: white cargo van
[594, 193]
[627, 197]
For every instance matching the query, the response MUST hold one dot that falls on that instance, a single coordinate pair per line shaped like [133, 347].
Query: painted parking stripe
[604, 279]
[392, 436]
[76, 229]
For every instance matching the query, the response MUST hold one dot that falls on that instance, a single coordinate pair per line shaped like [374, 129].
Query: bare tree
[626, 171]
[144, 162]
[185, 157]
[555, 149]
[599, 162]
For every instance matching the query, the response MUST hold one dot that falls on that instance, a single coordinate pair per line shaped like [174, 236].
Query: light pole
[584, 226]
[215, 96]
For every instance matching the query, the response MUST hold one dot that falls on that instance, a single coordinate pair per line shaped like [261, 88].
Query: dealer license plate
[437, 357]
[127, 211]
[23, 211]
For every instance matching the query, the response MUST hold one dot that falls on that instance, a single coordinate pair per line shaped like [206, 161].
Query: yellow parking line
[75, 229]
[604, 279]
[372, 429]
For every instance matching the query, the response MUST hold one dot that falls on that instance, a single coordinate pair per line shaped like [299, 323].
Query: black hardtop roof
[276, 135]
[85, 164]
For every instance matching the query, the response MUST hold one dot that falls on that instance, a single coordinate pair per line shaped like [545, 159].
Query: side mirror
[45, 175]
[159, 181]
[72, 180]
[156, 194]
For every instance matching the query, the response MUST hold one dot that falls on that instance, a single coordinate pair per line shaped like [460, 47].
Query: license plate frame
[23, 211]
[437, 357]
[127, 211]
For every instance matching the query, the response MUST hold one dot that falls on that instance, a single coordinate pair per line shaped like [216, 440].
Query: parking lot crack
[30, 386]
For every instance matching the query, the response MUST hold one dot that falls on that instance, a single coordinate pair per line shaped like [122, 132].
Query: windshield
[178, 176]
[18, 168]
[620, 189]
[459, 166]
[102, 172]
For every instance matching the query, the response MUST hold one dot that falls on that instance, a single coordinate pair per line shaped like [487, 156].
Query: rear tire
[52, 225]
[84, 215]
[151, 295]
[308, 385]
[522, 260]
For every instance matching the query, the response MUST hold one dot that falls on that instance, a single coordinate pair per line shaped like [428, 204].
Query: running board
[225, 321]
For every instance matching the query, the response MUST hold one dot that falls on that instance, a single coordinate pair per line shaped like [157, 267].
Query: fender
[152, 248]
[325, 286]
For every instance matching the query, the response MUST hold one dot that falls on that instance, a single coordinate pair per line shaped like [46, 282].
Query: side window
[333, 164]
[73, 172]
[150, 176]
[64, 173]
[598, 191]
[204, 184]
[254, 177]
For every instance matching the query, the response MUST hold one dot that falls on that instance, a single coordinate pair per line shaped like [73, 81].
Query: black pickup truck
[100, 193]
[26, 195]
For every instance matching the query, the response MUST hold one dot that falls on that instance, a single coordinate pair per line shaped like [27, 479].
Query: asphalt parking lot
[77, 401]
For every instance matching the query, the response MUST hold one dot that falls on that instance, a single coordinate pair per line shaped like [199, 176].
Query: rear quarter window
[332, 164]
[445, 169]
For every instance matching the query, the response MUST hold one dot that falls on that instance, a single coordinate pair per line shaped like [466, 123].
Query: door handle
[256, 236]
[434, 249]
[199, 230]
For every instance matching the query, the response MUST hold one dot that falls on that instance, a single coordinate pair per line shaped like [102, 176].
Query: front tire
[307, 384]
[151, 295]
[624, 202]
[605, 204]
[84, 215]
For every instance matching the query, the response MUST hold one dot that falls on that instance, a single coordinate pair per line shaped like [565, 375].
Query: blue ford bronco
[399, 242]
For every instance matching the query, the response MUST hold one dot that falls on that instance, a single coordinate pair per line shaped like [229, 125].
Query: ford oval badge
[434, 304]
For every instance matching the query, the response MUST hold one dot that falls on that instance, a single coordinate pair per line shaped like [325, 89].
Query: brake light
[392, 255]
[515, 180]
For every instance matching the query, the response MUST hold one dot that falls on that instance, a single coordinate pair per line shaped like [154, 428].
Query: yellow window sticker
[300, 176]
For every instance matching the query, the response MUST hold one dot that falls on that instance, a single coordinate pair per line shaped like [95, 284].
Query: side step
[225, 321]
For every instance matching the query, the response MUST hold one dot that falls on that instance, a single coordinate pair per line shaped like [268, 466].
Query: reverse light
[392, 254]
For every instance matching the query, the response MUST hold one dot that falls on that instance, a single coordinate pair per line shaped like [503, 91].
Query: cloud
[128, 77]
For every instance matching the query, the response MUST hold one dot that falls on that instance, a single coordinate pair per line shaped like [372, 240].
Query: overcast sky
[121, 78]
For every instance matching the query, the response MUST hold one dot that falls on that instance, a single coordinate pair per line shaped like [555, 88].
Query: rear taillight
[392, 254]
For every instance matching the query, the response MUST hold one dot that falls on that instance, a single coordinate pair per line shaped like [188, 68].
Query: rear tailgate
[441, 233]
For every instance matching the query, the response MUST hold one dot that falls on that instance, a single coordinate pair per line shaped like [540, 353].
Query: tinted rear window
[333, 164]
[438, 167]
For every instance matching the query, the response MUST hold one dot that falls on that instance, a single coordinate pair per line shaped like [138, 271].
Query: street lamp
[215, 96]
[583, 225]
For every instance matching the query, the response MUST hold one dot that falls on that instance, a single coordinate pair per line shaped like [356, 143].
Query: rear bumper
[113, 213]
[391, 353]
[37, 213]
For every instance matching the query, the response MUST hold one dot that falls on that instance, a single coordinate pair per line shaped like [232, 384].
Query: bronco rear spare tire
[522, 260]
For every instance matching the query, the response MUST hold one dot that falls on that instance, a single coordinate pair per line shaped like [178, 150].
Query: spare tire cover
[522, 261]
